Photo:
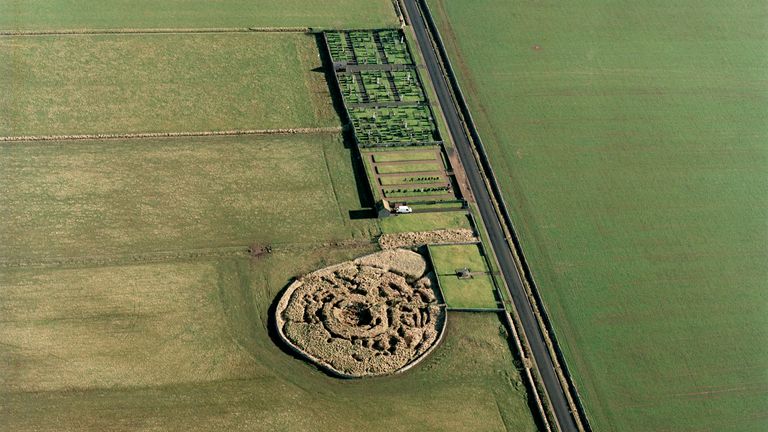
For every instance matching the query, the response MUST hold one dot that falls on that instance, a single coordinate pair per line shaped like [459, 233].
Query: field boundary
[536, 301]
[143, 135]
[140, 31]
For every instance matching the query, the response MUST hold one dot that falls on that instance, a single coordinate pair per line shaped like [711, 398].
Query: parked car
[403, 209]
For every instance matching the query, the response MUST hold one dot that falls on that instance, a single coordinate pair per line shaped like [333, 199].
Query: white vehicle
[403, 209]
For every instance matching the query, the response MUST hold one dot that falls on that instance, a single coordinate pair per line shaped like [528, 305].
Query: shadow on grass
[275, 336]
[364, 193]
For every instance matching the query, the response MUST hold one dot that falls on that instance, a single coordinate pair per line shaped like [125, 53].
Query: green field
[408, 167]
[630, 141]
[118, 197]
[424, 222]
[140, 14]
[184, 346]
[449, 258]
[476, 292]
[160, 82]
[403, 155]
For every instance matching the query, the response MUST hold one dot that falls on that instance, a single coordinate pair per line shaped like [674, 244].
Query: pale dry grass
[110, 327]
[121, 197]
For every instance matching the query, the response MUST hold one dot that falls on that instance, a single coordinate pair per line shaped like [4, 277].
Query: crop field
[37, 15]
[119, 197]
[186, 346]
[629, 140]
[91, 84]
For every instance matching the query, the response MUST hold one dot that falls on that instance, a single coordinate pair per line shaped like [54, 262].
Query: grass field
[424, 222]
[110, 14]
[408, 167]
[476, 292]
[399, 156]
[629, 139]
[185, 346]
[160, 82]
[121, 197]
[449, 258]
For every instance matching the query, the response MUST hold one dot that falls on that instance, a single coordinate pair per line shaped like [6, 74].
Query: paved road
[492, 223]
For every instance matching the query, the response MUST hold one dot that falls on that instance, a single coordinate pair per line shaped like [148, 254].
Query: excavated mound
[375, 315]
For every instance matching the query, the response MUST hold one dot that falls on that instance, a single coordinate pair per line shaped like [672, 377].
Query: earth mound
[375, 315]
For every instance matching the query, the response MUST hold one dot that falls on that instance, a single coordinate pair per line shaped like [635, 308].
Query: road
[498, 241]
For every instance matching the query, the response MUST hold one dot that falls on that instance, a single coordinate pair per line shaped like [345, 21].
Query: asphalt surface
[498, 241]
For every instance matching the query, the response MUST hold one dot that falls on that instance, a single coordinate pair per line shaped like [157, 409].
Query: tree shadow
[326, 69]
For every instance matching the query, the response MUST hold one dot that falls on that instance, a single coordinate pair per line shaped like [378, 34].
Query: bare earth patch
[410, 239]
[375, 315]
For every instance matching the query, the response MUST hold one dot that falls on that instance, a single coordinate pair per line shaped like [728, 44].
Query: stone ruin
[376, 315]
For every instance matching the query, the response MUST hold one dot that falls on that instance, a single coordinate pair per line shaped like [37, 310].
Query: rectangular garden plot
[448, 259]
[380, 86]
[396, 126]
[474, 293]
[388, 109]
[368, 47]
[463, 276]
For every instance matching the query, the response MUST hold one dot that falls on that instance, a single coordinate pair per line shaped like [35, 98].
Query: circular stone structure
[376, 315]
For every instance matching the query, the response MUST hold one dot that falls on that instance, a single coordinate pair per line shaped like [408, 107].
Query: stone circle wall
[376, 315]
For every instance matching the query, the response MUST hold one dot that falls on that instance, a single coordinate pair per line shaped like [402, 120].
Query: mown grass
[110, 14]
[449, 258]
[160, 83]
[476, 292]
[117, 326]
[403, 155]
[424, 222]
[629, 139]
[186, 346]
[92, 198]
[396, 168]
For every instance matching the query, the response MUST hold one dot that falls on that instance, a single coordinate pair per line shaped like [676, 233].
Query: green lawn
[185, 346]
[424, 222]
[630, 142]
[449, 258]
[403, 155]
[160, 83]
[408, 167]
[72, 199]
[476, 292]
[139, 14]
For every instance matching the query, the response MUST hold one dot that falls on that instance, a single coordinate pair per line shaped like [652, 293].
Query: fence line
[144, 135]
[140, 31]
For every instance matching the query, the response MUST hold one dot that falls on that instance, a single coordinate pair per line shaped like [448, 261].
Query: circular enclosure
[375, 315]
